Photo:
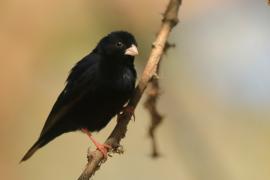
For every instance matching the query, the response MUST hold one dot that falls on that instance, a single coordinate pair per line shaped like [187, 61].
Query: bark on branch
[95, 158]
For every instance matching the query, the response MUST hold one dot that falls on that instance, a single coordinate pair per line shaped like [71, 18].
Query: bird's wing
[80, 82]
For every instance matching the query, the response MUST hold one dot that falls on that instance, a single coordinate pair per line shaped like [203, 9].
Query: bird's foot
[103, 148]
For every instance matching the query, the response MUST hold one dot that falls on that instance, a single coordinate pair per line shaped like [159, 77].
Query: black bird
[97, 88]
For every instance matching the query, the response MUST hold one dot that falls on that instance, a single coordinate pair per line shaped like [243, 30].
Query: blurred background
[215, 83]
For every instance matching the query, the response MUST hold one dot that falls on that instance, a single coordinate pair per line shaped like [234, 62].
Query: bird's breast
[120, 81]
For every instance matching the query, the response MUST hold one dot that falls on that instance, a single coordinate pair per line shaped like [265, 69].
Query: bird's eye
[119, 44]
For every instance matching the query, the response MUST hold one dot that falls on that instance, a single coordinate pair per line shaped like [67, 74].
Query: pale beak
[132, 50]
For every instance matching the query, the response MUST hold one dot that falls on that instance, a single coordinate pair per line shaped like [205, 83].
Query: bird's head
[119, 45]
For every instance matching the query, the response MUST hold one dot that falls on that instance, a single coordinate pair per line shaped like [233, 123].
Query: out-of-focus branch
[153, 94]
[169, 20]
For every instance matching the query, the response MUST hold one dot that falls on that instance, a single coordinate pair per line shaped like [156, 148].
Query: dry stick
[153, 94]
[150, 104]
[169, 20]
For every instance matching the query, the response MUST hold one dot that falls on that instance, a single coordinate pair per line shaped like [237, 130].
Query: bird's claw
[104, 148]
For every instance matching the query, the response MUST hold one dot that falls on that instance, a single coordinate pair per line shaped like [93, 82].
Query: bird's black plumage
[97, 88]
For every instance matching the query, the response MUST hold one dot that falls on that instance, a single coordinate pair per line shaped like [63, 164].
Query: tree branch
[169, 20]
[153, 94]
[150, 104]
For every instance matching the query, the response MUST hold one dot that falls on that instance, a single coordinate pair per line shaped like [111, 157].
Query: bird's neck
[114, 63]
[114, 67]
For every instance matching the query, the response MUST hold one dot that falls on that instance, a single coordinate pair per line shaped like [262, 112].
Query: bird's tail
[32, 150]
[43, 139]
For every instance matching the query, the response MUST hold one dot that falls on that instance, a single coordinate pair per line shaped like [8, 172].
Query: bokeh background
[215, 82]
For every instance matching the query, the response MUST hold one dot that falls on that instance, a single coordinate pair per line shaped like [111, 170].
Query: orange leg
[103, 148]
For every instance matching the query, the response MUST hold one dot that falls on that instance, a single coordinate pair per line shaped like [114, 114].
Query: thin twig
[153, 94]
[169, 20]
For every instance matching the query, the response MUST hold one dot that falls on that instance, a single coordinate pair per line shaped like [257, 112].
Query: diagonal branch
[169, 20]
